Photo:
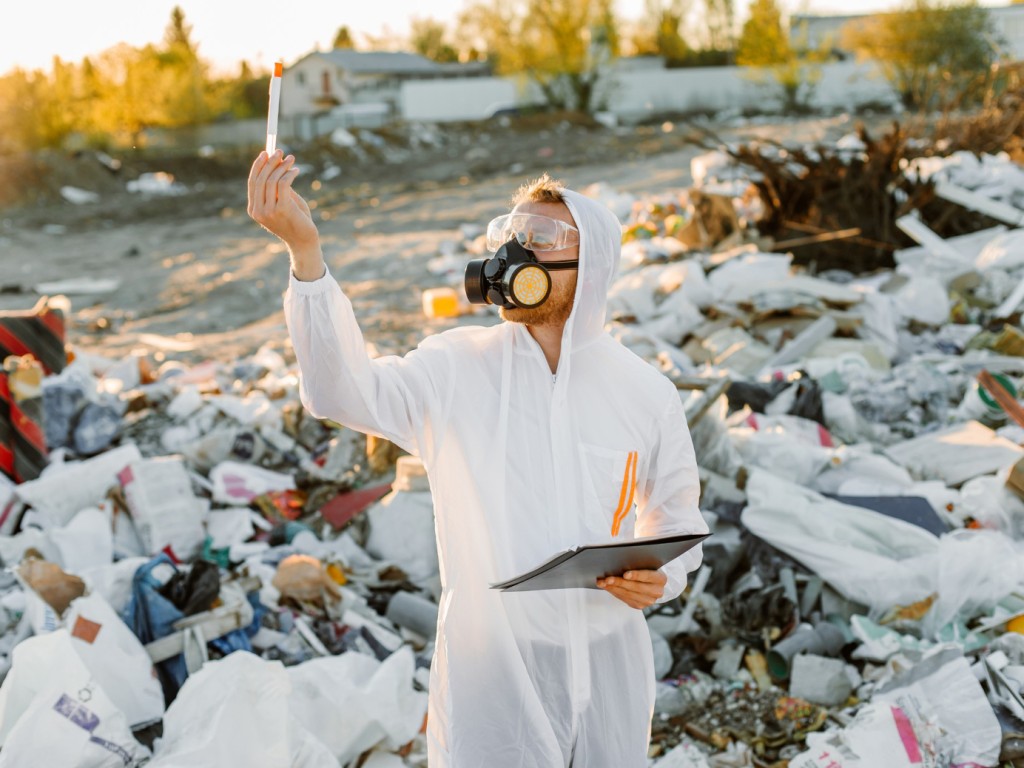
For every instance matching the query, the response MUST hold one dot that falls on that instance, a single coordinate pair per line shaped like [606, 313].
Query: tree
[661, 30]
[183, 75]
[763, 42]
[132, 95]
[934, 54]
[343, 38]
[562, 45]
[178, 34]
[428, 38]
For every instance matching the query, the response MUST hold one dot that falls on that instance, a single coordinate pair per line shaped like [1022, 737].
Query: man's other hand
[637, 589]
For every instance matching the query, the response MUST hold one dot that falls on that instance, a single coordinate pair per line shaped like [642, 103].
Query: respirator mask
[513, 277]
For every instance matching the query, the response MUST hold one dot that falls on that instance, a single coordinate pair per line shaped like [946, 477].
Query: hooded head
[578, 298]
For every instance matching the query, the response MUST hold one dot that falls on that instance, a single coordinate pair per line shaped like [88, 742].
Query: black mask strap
[554, 266]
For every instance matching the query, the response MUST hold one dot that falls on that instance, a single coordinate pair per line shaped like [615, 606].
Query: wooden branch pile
[820, 189]
[837, 208]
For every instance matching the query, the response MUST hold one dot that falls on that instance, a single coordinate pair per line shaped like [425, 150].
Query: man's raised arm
[404, 399]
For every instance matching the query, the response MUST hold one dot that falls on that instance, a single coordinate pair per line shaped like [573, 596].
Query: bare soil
[200, 280]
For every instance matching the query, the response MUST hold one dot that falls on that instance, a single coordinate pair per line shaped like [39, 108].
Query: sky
[35, 30]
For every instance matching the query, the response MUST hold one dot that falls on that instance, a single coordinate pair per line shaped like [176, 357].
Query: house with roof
[359, 82]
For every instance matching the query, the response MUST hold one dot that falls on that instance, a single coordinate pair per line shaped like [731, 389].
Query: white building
[1007, 24]
[324, 81]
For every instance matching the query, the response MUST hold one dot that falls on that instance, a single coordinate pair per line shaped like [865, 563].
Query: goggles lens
[532, 231]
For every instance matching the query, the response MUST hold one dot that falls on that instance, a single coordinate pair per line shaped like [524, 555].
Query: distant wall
[239, 133]
[465, 98]
[235, 133]
[635, 95]
[630, 95]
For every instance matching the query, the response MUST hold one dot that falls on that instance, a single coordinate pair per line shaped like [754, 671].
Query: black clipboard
[581, 567]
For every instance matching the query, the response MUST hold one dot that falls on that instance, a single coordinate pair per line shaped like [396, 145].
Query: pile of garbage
[859, 437]
[199, 572]
[193, 575]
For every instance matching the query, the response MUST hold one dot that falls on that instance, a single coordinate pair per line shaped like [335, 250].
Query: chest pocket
[609, 485]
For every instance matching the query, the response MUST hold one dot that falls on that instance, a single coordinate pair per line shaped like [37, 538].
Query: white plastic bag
[402, 531]
[65, 489]
[53, 712]
[931, 716]
[236, 712]
[85, 542]
[882, 562]
[353, 702]
[863, 554]
[237, 483]
[110, 651]
[116, 658]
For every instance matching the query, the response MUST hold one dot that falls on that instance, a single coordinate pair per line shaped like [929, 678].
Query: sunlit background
[258, 31]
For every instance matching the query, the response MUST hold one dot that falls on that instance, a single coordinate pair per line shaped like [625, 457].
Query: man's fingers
[640, 587]
[630, 598]
[300, 201]
[284, 184]
[275, 176]
[654, 577]
[269, 167]
[257, 166]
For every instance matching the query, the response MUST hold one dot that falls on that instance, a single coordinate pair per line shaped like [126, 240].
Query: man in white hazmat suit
[537, 437]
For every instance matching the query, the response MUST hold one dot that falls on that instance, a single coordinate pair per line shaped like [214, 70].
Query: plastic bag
[377, 699]
[933, 715]
[116, 658]
[864, 555]
[152, 616]
[195, 591]
[53, 712]
[236, 711]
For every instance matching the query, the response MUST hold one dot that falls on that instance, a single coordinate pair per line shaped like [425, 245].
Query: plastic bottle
[441, 303]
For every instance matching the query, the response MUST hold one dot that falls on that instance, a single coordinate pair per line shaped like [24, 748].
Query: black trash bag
[807, 403]
[755, 395]
[195, 591]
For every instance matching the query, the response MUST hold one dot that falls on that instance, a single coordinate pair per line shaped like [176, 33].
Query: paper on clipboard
[581, 567]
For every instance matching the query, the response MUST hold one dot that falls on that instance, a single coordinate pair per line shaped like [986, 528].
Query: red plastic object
[340, 510]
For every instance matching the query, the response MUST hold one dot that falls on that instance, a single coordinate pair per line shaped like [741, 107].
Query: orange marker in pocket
[626, 493]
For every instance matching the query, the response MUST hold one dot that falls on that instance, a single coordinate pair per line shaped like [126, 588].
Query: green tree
[343, 38]
[183, 75]
[935, 54]
[765, 45]
[178, 34]
[763, 42]
[27, 107]
[661, 30]
[428, 37]
[562, 45]
[132, 96]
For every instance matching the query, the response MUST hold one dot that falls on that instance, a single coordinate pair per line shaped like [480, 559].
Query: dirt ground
[199, 279]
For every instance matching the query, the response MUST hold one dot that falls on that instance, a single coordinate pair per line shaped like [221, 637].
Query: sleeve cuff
[310, 287]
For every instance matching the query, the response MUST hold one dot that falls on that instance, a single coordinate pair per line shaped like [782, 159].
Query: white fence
[464, 98]
[633, 96]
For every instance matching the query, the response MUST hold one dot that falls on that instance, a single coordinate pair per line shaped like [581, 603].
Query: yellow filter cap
[531, 286]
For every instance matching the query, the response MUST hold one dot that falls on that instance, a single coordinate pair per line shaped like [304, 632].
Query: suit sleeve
[403, 399]
[669, 494]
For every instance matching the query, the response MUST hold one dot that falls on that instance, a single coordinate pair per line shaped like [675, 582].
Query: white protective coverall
[522, 465]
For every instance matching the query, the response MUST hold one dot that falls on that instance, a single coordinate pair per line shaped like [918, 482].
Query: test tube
[274, 107]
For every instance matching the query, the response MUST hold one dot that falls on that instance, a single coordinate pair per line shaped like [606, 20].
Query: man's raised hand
[275, 206]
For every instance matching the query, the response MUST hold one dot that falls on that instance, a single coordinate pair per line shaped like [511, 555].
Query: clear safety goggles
[533, 231]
